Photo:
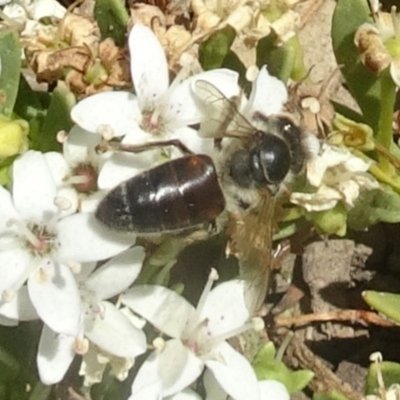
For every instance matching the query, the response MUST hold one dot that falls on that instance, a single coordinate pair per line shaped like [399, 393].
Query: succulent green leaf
[41, 392]
[112, 18]
[58, 118]
[267, 367]
[332, 222]
[363, 85]
[29, 103]
[284, 61]
[215, 49]
[374, 206]
[386, 303]
[330, 396]
[390, 372]
[10, 62]
[233, 62]
[9, 367]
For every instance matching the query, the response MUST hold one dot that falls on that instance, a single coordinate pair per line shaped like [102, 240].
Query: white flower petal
[80, 146]
[55, 354]
[7, 321]
[190, 138]
[178, 367]
[112, 112]
[58, 166]
[117, 274]
[7, 210]
[149, 68]
[17, 261]
[213, 389]
[324, 199]
[82, 238]
[89, 203]
[54, 293]
[68, 199]
[113, 332]
[186, 394]
[46, 8]
[182, 105]
[234, 373]
[225, 80]
[165, 309]
[85, 270]
[225, 308]
[34, 189]
[268, 95]
[355, 164]
[19, 307]
[316, 168]
[175, 365]
[271, 389]
[123, 166]
[147, 384]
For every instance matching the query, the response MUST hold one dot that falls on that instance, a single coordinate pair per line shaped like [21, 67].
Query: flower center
[37, 238]
[84, 178]
[152, 122]
[198, 336]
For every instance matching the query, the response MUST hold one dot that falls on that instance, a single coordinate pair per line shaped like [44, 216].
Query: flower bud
[13, 136]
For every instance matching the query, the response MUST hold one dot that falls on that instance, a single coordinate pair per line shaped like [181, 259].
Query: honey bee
[237, 187]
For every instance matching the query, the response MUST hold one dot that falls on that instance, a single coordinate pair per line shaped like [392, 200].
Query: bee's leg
[218, 144]
[212, 228]
[139, 148]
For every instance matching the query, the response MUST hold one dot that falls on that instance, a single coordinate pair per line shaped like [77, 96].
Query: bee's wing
[222, 116]
[252, 241]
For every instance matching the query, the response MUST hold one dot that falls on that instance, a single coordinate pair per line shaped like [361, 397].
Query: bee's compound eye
[270, 162]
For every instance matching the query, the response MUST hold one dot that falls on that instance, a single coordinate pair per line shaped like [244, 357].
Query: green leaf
[390, 372]
[386, 303]
[330, 396]
[9, 367]
[233, 62]
[57, 119]
[267, 367]
[40, 392]
[10, 61]
[363, 85]
[284, 61]
[374, 206]
[112, 19]
[300, 379]
[215, 49]
[332, 221]
[29, 103]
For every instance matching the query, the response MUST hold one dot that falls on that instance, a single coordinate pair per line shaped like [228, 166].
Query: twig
[360, 316]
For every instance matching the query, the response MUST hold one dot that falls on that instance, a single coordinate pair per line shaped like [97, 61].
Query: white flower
[337, 175]
[269, 389]
[39, 247]
[268, 96]
[159, 111]
[26, 14]
[101, 321]
[215, 115]
[77, 169]
[198, 339]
